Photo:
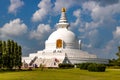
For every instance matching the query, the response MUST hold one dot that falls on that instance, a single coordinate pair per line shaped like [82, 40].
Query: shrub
[84, 66]
[66, 66]
[78, 65]
[96, 67]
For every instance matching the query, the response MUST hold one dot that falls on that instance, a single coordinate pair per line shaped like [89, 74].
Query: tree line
[115, 62]
[10, 54]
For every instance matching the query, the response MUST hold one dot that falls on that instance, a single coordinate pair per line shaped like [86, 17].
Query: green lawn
[61, 74]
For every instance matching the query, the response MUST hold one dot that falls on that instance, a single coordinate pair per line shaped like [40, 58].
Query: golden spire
[63, 9]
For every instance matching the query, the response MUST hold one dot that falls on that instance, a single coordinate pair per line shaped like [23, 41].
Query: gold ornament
[63, 10]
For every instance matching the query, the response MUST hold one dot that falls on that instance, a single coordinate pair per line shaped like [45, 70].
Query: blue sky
[30, 22]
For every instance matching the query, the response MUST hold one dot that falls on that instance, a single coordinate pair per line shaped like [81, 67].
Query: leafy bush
[66, 66]
[78, 65]
[84, 66]
[96, 67]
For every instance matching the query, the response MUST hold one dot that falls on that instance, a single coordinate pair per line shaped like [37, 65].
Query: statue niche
[59, 43]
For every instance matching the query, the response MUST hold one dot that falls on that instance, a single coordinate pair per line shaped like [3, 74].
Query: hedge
[84, 66]
[66, 66]
[96, 67]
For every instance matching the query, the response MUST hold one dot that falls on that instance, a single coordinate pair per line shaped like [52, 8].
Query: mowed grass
[61, 74]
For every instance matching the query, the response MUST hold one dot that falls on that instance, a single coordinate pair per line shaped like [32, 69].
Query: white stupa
[62, 46]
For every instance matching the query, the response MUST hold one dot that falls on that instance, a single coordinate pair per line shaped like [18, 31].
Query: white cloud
[102, 20]
[13, 28]
[44, 8]
[41, 32]
[90, 5]
[116, 33]
[63, 3]
[92, 25]
[77, 13]
[93, 36]
[94, 9]
[99, 34]
[15, 5]
[77, 22]
[101, 14]
[105, 13]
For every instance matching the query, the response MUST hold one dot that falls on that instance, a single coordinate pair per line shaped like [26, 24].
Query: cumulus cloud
[109, 11]
[41, 32]
[90, 5]
[15, 5]
[77, 14]
[102, 24]
[106, 2]
[101, 15]
[111, 46]
[76, 24]
[116, 33]
[14, 28]
[63, 3]
[44, 8]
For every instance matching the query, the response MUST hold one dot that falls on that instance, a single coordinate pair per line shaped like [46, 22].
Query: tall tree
[4, 47]
[10, 54]
[1, 59]
[1, 46]
[118, 53]
[19, 63]
[15, 53]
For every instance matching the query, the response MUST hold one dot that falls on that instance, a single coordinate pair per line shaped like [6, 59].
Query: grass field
[61, 74]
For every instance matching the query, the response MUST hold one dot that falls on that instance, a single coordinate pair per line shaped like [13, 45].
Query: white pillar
[80, 44]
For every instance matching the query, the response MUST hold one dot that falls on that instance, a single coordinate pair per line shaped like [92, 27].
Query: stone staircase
[32, 61]
[46, 62]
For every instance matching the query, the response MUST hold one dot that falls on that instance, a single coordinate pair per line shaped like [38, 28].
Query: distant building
[62, 46]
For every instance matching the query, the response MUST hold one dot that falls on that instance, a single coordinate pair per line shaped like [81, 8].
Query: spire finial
[63, 9]
[63, 20]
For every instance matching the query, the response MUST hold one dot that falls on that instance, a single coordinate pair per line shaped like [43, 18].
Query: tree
[4, 56]
[10, 54]
[1, 60]
[4, 47]
[118, 53]
[15, 53]
[0, 46]
[19, 63]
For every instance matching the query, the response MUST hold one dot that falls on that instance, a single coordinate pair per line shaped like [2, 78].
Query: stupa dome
[64, 34]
